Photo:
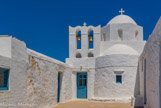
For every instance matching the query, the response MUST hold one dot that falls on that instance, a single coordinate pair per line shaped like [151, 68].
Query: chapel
[105, 58]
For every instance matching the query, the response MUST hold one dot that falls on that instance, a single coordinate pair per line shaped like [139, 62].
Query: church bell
[78, 38]
[91, 38]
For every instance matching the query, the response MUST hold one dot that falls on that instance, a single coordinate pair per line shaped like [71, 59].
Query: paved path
[87, 104]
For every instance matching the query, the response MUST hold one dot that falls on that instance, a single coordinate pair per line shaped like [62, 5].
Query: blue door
[82, 85]
[58, 91]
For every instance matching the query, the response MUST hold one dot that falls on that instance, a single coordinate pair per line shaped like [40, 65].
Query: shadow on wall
[138, 100]
[160, 77]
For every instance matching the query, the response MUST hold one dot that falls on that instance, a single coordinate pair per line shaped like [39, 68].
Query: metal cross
[84, 24]
[121, 11]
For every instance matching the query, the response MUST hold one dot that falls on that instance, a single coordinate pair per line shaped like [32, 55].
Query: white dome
[122, 19]
[120, 49]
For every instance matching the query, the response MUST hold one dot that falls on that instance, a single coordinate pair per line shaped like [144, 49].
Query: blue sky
[43, 24]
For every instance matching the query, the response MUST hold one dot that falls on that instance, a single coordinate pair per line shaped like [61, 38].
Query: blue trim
[6, 78]
[58, 90]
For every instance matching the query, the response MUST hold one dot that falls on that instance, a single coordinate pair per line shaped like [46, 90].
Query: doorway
[82, 85]
[59, 86]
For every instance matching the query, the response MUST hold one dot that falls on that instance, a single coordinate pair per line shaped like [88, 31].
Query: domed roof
[120, 49]
[122, 19]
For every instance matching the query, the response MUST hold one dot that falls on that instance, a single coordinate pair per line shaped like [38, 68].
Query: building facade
[109, 56]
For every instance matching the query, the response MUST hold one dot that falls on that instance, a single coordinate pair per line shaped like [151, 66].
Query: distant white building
[102, 66]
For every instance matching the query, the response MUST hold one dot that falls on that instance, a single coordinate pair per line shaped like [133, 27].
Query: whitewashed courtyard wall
[152, 55]
[17, 63]
[42, 80]
[33, 77]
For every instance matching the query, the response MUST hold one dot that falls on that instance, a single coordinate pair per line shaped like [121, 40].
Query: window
[90, 54]
[136, 35]
[78, 39]
[90, 39]
[80, 76]
[120, 33]
[80, 82]
[4, 75]
[82, 79]
[78, 55]
[119, 79]
[84, 82]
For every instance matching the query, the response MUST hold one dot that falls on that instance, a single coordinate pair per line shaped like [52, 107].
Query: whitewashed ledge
[44, 57]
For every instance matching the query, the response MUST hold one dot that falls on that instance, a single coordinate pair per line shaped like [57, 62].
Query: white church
[106, 64]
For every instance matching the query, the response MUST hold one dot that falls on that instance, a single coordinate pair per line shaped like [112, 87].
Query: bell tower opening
[90, 39]
[78, 39]
[78, 55]
[90, 54]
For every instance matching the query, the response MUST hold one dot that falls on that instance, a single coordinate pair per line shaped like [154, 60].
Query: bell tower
[84, 41]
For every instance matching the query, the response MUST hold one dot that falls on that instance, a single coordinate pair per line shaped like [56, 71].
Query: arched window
[136, 35]
[90, 54]
[120, 33]
[78, 55]
[90, 39]
[78, 39]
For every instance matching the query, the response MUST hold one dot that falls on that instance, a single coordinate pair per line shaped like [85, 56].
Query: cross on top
[84, 23]
[121, 11]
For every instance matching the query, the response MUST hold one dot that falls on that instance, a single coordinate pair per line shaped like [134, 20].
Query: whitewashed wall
[33, 77]
[83, 65]
[42, 80]
[153, 77]
[84, 41]
[17, 63]
[107, 67]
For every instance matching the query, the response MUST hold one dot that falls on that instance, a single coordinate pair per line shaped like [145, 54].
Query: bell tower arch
[84, 39]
